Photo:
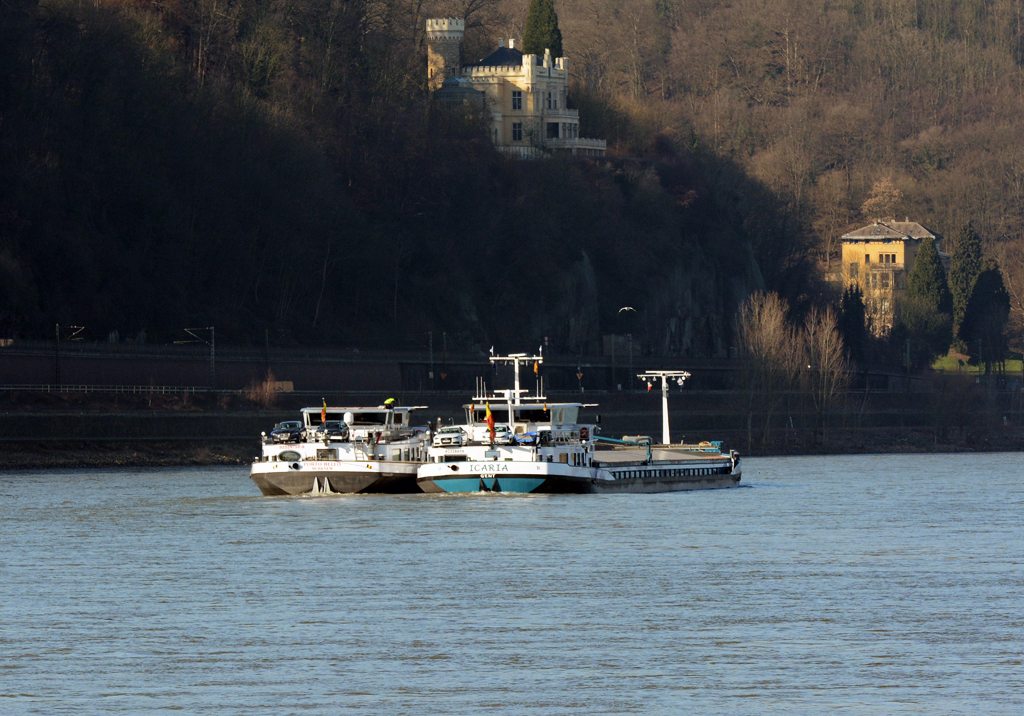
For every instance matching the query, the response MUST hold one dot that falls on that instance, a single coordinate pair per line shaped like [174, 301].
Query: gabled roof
[890, 231]
[502, 57]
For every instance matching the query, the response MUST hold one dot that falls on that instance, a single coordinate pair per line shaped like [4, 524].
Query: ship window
[517, 99]
[369, 418]
[396, 454]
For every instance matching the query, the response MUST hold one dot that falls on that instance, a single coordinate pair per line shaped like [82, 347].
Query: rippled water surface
[862, 584]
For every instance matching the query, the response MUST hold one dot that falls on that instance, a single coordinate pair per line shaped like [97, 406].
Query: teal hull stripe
[472, 484]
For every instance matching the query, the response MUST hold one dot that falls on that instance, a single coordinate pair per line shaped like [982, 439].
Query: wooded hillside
[820, 100]
[276, 165]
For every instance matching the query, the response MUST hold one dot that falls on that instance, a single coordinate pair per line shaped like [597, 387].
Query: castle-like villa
[523, 96]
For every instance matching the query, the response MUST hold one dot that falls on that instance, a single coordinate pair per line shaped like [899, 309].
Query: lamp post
[680, 377]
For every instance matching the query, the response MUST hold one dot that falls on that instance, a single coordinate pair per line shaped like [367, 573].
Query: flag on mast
[489, 417]
[323, 412]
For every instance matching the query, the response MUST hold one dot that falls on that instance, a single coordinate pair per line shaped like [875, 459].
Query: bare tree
[884, 199]
[771, 358]
[826, 370]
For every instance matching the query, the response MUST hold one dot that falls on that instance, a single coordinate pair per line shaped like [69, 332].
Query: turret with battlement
[444, 49]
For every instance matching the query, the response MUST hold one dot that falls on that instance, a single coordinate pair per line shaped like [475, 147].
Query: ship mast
[515, 359]
[680, 376]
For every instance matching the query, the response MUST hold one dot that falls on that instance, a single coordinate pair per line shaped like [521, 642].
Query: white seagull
[627, 308]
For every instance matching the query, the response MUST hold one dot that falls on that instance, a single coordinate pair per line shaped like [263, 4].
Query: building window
[552, 130]
[517, 131]
[517, 99]
[854, 269]
[867, 258]
[884, 280]
[549, 100]
[887, 258]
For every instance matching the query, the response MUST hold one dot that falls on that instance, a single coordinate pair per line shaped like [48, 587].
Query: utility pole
[213, 350]
[213, 360]
[630, 362]
[56, 360]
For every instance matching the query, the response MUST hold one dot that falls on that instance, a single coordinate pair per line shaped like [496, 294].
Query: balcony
[579, 145]
[521, 152]
[885, 277]
[561, 113]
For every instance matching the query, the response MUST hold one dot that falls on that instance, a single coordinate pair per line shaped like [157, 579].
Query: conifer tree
[541, 30]
[983, 327]
[963, 270]
[927, 280]
[926, 311]
[853, 322]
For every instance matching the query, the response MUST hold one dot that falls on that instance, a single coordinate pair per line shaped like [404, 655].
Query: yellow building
[524, 96]
[879, 258]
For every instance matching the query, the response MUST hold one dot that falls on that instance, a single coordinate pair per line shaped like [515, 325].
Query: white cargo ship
[514, 442]
[343, 450]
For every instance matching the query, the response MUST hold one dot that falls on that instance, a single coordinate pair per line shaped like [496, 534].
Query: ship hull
[279, 478]
[546, 478]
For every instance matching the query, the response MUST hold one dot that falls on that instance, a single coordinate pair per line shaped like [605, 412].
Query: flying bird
[627, 308]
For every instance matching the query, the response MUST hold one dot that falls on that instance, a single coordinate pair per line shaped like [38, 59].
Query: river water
[861, 584]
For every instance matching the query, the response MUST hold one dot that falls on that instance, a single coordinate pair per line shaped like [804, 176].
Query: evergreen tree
[853, 323]
[542, 29]
[927, 280]
[925, 317]
[983, 327]
[928, 330]
[964, 269]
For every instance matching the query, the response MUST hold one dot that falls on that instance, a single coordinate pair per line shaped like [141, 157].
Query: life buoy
[584, 433]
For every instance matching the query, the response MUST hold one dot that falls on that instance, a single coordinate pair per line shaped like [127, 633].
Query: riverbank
[180, 453]
[95, 454]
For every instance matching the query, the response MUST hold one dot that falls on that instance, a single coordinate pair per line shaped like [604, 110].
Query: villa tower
[444, 49]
